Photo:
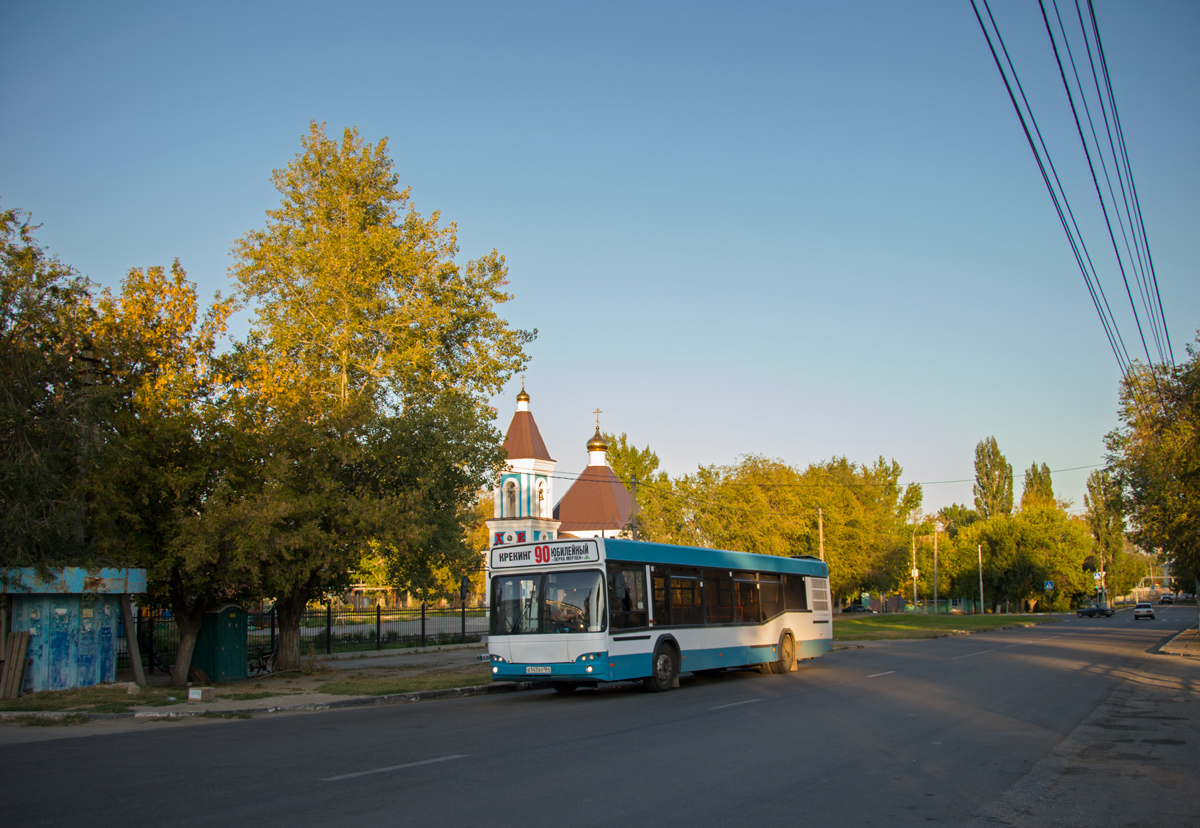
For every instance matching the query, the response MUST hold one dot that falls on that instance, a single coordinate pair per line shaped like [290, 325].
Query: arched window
[543, 501]
[510, 498]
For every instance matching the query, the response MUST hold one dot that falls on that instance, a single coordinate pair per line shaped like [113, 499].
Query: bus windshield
[551, 602]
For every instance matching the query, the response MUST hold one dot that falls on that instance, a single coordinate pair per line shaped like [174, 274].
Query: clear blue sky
[795, 229]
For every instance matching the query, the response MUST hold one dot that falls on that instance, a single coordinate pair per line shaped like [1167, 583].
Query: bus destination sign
[545, 554]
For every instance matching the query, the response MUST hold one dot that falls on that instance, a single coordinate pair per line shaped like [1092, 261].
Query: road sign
[1097, 575]
[1049, 586]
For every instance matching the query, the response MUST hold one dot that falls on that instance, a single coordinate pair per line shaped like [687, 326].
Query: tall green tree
[956, 517]
[1038, 486]
[47, 401]
[363, 313]
[629, 464]
[993, 480]
[441, 452]
[1106, 521]
[628, 461]
[764, 505]
[1155, 457]
[358, 295]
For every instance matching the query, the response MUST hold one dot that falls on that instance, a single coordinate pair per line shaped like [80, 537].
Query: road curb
[360, 701]
[1169, 648]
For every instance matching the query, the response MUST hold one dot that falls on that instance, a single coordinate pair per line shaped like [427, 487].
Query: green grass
[904, 625]
[99, 698]
[367, 685]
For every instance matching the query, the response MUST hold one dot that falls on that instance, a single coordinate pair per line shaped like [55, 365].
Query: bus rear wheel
[787, 655]
[664, 669]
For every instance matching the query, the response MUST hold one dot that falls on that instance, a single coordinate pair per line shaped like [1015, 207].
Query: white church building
[596, 504]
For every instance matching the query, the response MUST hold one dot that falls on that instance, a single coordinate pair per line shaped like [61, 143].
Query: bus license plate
[537, 671]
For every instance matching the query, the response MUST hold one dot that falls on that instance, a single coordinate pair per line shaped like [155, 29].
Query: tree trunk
[289, 611]
[188, 619]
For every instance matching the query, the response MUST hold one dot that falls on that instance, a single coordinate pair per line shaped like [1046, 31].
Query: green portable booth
[221, 645]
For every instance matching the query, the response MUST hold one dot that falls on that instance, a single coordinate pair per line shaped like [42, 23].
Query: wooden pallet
[13, 675]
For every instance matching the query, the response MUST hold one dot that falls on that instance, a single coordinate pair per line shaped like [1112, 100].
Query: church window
[510, 497]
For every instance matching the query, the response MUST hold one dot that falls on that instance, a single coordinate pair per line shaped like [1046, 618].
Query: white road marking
[876, 675]
[735, 704]
[968, 655]
[394, 767]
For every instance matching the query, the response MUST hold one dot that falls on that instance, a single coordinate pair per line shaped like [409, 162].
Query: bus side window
[746, 599]
[795, 594]
[719, 588]
[770, 592]
[627, 588]
[687, 603]
[662, 612]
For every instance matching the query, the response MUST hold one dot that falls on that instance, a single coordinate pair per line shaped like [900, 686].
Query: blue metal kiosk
[73, 618]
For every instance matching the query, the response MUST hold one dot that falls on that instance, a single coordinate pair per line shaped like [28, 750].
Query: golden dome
[522, 397]
[597, 442]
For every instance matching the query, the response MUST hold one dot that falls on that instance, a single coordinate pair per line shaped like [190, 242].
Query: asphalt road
[1076, 723]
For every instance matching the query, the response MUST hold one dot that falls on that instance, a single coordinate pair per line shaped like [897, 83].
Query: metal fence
[322, 631]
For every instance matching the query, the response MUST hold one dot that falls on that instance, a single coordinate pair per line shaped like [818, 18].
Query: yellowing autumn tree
[366, 380]
[358, 294]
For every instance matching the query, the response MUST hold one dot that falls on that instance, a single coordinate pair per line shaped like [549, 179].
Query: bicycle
[157, 662]
[262, 662]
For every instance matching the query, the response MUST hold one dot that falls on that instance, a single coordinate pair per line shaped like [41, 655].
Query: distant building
[596, 504]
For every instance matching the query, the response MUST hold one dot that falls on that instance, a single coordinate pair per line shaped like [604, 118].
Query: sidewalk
[1187, 644]
[303, 690]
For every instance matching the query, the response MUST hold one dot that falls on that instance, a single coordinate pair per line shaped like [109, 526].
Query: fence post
[422, 623]
[329, 628]
[378, 628]
[138, 632]
[463, 638]
[272, 628]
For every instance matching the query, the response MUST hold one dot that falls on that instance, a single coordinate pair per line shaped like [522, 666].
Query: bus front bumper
[589, 667]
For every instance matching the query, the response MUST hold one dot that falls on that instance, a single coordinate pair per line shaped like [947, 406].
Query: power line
[1061, 204]
[1092, 168]
[1129, 173]
[1125, 208]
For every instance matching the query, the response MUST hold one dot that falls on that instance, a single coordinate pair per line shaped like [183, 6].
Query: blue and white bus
[593, 610]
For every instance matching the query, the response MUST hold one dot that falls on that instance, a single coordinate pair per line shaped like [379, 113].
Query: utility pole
[935, 584]
[914, 570]
[979, 549]
[821, 532]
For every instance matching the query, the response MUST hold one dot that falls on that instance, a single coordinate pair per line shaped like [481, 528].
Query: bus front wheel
[664, 669]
